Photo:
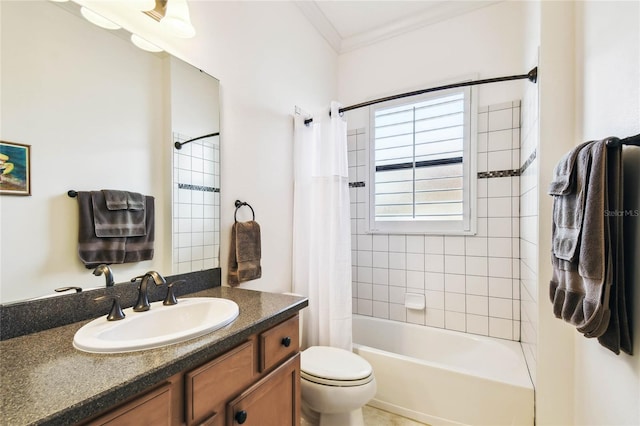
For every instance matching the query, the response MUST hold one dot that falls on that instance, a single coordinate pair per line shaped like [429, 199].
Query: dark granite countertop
[44, 380]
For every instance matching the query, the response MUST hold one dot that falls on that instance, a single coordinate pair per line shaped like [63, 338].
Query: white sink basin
[159, 326]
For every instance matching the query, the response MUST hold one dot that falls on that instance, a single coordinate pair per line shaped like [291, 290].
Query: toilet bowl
[335, 384]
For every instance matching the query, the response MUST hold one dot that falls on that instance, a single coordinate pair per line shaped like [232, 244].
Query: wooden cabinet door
[153, 408]
[272, 401]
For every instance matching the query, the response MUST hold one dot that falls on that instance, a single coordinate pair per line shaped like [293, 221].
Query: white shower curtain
[322, 229]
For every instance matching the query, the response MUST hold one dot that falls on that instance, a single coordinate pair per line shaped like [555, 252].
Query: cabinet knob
[286, 341]
[241, 416]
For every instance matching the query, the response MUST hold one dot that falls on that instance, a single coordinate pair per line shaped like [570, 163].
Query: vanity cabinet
[255, 383]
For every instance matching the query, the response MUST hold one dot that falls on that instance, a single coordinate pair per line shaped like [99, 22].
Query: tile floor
[376, 417]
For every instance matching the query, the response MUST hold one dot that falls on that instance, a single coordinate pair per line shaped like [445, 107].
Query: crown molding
[441, 11]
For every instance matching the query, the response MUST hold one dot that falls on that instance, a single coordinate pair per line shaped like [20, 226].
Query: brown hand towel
[116, 223]
[244, 253]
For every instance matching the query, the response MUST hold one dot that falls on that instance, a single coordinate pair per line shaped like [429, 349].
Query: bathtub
[443, 377]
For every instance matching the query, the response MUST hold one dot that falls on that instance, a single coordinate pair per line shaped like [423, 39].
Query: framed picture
[15, 168]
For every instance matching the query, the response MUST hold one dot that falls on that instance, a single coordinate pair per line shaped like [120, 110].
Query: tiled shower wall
[470, 283]
[529, 227]
[196, 205]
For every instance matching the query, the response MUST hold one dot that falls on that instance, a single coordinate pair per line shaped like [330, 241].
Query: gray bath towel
[588, 287]
[617, 335]
[244, 253]
[578, 289]
[94, 250]
[141, 248]
[120, 222]
[123, 200]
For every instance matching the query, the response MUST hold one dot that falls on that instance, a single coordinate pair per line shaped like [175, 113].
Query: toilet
[335, 385]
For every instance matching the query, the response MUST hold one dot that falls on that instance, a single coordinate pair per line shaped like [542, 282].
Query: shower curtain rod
[178, 145]
[532, 76]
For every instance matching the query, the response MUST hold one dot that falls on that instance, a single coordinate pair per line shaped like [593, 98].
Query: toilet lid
[334, 364]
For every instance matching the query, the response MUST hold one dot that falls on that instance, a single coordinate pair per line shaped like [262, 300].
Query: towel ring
[239, 204]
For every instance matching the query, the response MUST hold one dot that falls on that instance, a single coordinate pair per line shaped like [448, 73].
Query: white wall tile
[434, 262]
[415, 280]
[500, 120]
[397, 277]
[365, 242]
[381, 242]
[454, 245]
[380, 276]
[380, 259]
[397, 261]
[434, 244]
[435, 318]
[434, 299]
[500, 140]
[454, 283]
[454, 302]
[415, 262]
[396, 294]
[454, 264]
[477, 285]
[381, 293]
[500, 308]
[397, 312]
[397, 243]
[478, 305]
[380, 309]
[500, 247]
[477, 324]
[434, 281]
[455, 321]
[415, 243]
[476, 265]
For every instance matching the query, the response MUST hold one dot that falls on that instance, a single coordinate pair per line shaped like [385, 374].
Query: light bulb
[177, 20]
[144, 44]
[98, 19]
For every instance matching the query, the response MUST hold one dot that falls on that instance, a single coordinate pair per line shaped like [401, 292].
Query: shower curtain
[322, 229]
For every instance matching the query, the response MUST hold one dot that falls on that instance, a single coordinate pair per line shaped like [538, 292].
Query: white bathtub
[443, 377]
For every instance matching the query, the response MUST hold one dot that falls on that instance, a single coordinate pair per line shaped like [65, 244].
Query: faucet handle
[115, 313]
[171, 297]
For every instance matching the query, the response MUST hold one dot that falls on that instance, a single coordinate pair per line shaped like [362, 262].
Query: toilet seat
[330, 366]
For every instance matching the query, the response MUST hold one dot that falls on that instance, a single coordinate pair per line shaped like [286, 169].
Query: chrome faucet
[108, 275]
[143, 300]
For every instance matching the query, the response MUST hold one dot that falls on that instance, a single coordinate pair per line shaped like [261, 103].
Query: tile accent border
[198, 187]
[509, 173]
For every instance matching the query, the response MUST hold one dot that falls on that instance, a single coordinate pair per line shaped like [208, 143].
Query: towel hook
[239, 204]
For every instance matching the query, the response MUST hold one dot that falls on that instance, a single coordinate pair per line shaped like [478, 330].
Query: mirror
[99, 113]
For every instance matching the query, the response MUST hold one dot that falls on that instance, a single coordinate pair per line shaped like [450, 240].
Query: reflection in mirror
[99, 113]
[196, 169]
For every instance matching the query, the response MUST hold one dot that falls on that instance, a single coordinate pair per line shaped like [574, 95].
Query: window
[421, 174]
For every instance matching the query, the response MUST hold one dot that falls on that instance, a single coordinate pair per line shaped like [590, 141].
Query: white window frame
[468, 225]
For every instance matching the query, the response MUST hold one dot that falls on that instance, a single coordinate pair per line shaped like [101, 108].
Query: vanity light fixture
[142, 5]
[144, 44]
[176, 19]
[98, 19]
